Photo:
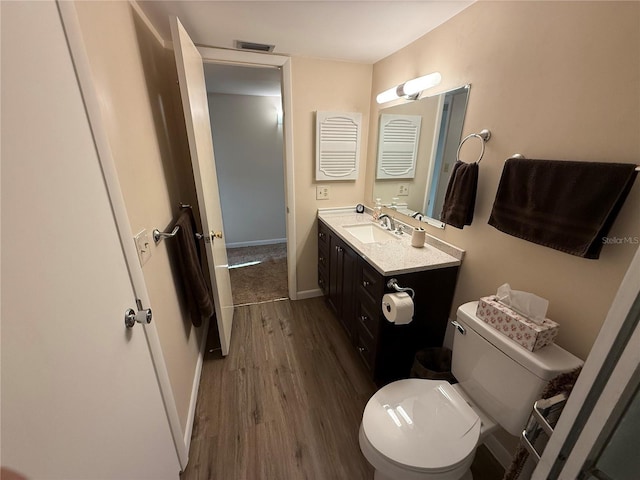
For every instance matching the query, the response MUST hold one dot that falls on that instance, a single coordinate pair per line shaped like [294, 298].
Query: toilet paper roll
[397, 308]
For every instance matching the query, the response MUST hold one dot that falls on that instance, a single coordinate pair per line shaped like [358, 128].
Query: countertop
[395, 256]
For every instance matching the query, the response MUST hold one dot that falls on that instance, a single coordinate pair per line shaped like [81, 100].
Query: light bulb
[388, 95]
[419, 84]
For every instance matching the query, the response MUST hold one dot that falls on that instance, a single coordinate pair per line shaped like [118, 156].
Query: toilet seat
[421, 425]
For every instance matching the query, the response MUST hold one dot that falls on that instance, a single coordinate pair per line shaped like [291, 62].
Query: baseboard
[498, 451]
[191, 414]
[255, 243]
[316, 292]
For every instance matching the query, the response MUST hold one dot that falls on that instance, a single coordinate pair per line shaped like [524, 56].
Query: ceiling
[362, 31]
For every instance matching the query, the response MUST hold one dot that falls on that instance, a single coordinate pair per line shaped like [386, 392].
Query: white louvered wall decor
[398, 146]
[337, 145]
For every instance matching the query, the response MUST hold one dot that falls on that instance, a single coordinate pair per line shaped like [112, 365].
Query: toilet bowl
[419, 429]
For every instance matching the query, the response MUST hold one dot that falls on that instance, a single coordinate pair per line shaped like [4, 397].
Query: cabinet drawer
[323, 237]
[372, 283]
[366, 346]
[323, 260]
[322, 282]
[368, 317]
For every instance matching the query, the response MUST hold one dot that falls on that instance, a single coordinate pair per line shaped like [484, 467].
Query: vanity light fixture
[410, 89]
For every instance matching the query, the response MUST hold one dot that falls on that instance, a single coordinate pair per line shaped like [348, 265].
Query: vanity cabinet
[336, 275]
[354, 290]
[323, 258]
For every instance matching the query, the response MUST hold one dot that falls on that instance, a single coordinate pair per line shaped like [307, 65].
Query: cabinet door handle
[365, 283]
[321, 259]
[321, 235]
[339, 249]
[362, 349]
[364, 318]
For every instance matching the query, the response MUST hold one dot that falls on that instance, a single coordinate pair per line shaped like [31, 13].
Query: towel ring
[484, 136]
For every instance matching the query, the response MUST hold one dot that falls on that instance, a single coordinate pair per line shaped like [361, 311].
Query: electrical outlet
[322, 192]
[143, 246]
[403, 190]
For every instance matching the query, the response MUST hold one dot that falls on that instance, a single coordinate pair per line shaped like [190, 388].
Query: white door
[196, 113]
[80, 397]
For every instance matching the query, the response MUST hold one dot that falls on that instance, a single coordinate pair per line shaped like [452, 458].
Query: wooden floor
[286, 403]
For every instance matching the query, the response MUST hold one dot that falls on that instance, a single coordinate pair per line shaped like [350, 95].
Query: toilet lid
[422, 424]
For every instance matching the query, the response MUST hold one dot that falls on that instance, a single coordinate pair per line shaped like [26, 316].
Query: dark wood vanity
[354, 290]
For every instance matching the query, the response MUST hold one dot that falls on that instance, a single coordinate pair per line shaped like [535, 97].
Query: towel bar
[543, 419]
[519, 156]
[158, 235]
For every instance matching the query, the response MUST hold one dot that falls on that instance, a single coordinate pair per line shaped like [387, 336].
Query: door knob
[215, 234]
[131, 317]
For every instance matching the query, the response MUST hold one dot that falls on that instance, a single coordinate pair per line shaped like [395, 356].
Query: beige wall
[326, 86]
[555, 80]
[136, 82]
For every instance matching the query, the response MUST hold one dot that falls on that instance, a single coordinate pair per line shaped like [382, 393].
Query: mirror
[417, 148]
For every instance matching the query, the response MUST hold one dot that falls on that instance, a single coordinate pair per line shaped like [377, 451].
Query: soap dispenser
[377, 209]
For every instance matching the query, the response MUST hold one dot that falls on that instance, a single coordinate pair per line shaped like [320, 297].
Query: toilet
[418, 429]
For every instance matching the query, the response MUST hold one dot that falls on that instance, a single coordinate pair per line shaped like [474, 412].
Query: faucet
[391, 223]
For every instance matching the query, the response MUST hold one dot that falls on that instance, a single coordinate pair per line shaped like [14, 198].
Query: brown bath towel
[565, 205]
[460, 199]
[197, 292]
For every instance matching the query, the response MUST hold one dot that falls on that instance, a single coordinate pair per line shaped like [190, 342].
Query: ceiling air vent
[256, 47]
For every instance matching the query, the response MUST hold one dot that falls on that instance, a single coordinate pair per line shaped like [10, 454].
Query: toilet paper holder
[393, 283]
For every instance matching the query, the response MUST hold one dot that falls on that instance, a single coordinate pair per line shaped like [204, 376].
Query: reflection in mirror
[417, 146]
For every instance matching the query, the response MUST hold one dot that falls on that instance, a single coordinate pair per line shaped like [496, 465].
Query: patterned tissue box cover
[518, 328]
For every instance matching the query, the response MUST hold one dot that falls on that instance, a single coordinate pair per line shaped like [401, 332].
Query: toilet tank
[501, 377]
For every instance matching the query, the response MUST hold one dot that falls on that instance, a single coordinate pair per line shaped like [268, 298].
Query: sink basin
[370, 233]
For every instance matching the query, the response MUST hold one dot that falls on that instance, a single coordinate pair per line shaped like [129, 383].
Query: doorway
[245, 108]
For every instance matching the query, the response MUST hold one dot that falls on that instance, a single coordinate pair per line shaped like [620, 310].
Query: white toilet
[419, 429]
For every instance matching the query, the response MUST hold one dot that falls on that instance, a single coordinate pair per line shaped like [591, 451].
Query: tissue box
[518, 328]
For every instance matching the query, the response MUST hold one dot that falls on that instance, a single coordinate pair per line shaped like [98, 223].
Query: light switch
[143, 246]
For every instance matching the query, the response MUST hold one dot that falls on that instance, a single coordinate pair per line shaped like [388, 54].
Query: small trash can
[433, 364]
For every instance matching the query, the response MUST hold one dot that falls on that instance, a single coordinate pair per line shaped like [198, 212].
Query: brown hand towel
[568, 206]
[198, 296]
[460, 199]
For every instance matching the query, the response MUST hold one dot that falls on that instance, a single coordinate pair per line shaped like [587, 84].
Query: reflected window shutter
[398, 146]
[337, 145]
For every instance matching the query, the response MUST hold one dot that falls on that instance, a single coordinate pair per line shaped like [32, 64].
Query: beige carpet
[260, 282]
